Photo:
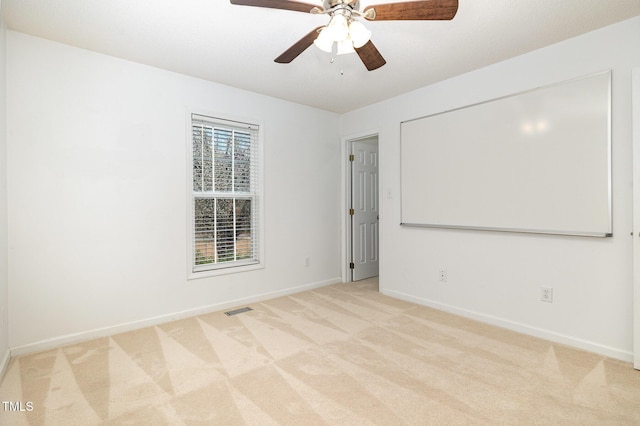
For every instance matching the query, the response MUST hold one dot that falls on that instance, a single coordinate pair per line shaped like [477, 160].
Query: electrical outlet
[546, 294]
[442, 275]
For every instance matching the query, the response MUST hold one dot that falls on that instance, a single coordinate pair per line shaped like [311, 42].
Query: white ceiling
[236, 45]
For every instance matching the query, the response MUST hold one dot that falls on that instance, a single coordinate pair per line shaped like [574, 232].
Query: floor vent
[238, 311]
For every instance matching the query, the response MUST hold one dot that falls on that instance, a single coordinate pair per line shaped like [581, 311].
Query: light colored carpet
[342, 354]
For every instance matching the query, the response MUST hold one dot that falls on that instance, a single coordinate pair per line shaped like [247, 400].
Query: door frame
[635, 124]
[347, 276]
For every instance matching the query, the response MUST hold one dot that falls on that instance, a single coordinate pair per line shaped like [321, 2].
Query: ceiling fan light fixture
[345, 46]
[338, 27]
[359, 34]
[324, 41]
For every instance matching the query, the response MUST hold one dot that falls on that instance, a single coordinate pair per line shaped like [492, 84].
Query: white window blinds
[225, 193]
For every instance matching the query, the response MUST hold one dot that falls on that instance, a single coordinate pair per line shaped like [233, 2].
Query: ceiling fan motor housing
[353, 4]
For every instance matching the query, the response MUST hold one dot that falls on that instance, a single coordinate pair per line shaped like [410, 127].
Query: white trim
[56, 342]
[4, 364]
[222, 270]
[635, 124]
[518, 327]
[345, 147]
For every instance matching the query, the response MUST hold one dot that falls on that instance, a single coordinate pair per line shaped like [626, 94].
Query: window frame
[237, 266]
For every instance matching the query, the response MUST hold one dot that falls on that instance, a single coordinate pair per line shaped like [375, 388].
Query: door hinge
[352, 265]
[351, 212]
[351, 157]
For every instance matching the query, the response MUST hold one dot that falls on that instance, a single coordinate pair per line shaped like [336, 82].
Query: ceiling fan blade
[277, 4]
[371, 58]
[413, 10]
[298, 47]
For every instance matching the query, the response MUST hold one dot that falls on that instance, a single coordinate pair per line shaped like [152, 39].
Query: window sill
[224, 270]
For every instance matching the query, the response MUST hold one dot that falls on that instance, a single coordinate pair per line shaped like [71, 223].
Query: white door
[364, 208]
[636, 214]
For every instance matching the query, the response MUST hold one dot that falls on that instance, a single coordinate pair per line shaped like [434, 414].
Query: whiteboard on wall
[537, 161]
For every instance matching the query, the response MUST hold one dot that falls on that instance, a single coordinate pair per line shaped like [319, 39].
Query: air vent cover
[238, 311]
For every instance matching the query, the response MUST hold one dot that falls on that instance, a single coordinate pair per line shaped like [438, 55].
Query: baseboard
[516, 326]
[4, 363]
[135, 325]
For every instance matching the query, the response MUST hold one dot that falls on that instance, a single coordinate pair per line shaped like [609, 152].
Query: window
[225, 194]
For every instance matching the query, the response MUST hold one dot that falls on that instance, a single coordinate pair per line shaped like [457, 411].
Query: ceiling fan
[346, 32]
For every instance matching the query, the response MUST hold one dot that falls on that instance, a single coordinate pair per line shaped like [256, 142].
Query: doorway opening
[363, 233]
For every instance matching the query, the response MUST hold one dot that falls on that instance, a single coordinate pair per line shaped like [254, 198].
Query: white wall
[98, 195]
[4, 342]
[496, 277]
